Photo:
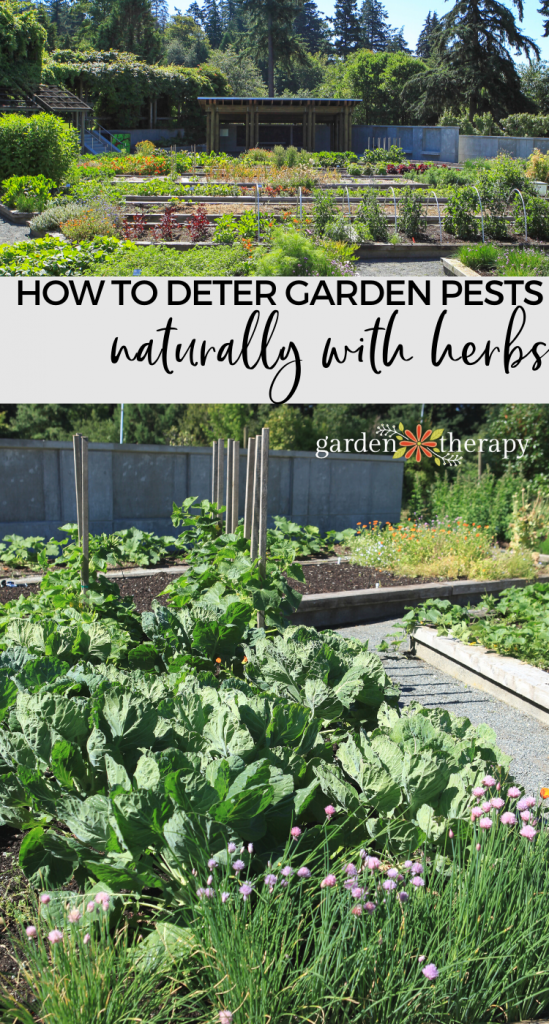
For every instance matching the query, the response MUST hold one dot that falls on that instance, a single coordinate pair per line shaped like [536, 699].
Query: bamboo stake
[77, 451]
[85, 516]
[264, 479]
[220, 471]
[236, 484]
[254, 545]
[229, 487]
[214, 471]
[248, 507]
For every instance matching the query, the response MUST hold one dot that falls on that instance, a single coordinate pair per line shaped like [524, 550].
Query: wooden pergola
[52, 99]
[255, 110]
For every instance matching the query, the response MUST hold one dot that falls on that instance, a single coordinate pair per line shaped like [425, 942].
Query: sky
[412, 13]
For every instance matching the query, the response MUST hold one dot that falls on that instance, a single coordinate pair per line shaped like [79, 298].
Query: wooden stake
[220, 471]
[85, 516]
[244, 437]
[248, 506]
[254, 537]
[229, 488]
[264, 478]
[214, 471]
[236, 484]
[77, 451]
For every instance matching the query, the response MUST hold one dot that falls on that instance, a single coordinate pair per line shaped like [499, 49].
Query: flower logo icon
[418, 444]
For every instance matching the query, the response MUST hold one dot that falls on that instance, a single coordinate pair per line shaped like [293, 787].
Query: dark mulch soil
[333, 578]
[14, 895]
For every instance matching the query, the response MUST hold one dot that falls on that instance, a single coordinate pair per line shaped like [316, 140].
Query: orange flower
[218, 661]
[418, 444]
[544, 793]
[244, 660]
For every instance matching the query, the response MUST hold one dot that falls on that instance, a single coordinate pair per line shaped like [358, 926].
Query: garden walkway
[522, 737]
[399, 268]
[12, 233]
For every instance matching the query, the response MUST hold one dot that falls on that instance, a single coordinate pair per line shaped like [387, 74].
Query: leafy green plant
[372, 214]
[39, 145]
[295, 255]
[324, 210]
[459, 212]
[52, 257]
[99, 220]
[411, 220]
[50, 219]
[226, 230]
[27, 192]
[537, 216]
[483, 256]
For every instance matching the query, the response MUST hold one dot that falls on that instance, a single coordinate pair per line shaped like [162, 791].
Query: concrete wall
[487, 147]
[135, 485]
[420, 142]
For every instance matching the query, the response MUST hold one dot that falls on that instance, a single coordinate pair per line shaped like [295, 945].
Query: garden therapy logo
[419, 444]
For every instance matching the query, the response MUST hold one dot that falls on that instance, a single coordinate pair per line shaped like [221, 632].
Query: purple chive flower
[478, 791]
[357, 911]
[417, 868]
[476, 812]
[528, 832]
[389, 884]
[45, 899]
[350, 870]
[489, 780]
[30, 931]
[478, 847]
[304, 873]
[525, 815]
[100, 897]
[407, 864]
[403, 896]
[513, 792]
[194, 873]
[417, 880]
[238, 865]
[212, 864]
[485, 823]
[245, 891]
[295, 832]
[87, 938]
[209, 879]
[497, 802]
[508, 818]
[270, 879]
[55, 936]
[450, 834]
[421, 959]
[287, 872]
[357, 892]
[525, 803]
[90, 907]
[74, 915]
[225, 896]
[231, 848]
[250, 847]
[225, 1017]
[370, 907]
[329, 810]
[430, 972]
[373, 863]
[328, 882]
[486, 806]
[392, 873]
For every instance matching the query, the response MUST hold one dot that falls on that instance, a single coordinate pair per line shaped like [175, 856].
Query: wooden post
[220, 470]
[244, 437]
[229, 488]
[85, 516]
[248, 507]
[254, 538]
[236, 481]
[77, 451]
[264, 478]
[214, 471]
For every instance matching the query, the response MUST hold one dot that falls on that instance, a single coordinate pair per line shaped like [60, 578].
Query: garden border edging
[348, 607]
[516, 683]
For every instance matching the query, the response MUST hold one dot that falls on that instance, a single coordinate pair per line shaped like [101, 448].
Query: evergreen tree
[427, 36]
[396, 42]
[160, 12]
[213, 23]
[374, 29]
[471, 63]
[131, 27]
[313, 29]
[346, 27]
[272, 34]
[544, 10]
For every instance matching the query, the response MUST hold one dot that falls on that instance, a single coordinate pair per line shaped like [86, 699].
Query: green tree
[22, 40]
[378, 78]
[272, 34]
[427, 36]
[534, 81]
[472, 64]
[346, 25]
[131, 27]
[313, 29]
[241, 72]
[375, 31]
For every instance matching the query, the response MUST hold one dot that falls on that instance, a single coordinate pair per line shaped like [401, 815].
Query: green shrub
[355, 170]
[98, 220]
[537, 216]
[536, 125]
[53, 257]
[292, 156]
[411, 220]
[226, 230]
[41, 144]
[279, 156]
[50, 219]
[27, 192]
[371, 214]
[324, 210]
[295, 255]
[459, 212]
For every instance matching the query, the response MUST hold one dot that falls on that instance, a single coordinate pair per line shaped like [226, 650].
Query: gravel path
[399, 268]
[11, 233]
[518, 734]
